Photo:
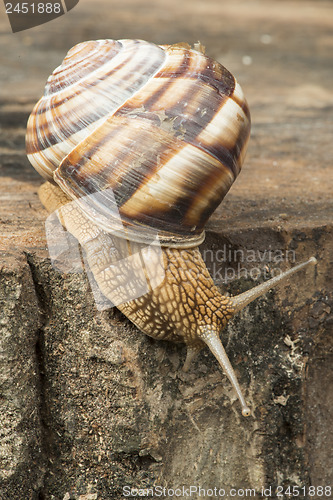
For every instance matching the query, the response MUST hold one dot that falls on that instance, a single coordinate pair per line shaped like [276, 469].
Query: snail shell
[147, 138]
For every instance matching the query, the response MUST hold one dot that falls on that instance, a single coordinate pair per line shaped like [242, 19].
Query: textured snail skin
[186, 301]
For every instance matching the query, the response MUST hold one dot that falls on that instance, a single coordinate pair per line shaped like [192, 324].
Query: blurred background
[252, 38]
[280, 52]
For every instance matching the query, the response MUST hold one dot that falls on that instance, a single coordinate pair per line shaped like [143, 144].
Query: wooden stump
[89, 406]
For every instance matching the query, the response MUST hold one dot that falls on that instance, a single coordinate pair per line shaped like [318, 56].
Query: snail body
[147, 140]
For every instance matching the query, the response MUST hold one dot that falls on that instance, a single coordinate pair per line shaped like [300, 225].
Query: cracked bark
[21, 457]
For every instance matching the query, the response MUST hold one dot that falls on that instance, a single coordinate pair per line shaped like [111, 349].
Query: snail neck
[185, 300]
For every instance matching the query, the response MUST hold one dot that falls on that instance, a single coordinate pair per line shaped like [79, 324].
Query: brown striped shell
[147, 138]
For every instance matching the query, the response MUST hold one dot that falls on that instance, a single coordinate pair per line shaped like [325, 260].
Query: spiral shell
[147, 138]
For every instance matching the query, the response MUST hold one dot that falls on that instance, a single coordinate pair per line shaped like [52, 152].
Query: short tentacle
[191, 353]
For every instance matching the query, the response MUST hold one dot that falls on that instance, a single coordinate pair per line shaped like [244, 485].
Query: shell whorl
[147, 138]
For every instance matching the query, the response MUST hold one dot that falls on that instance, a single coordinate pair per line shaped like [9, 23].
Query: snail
[139, 144]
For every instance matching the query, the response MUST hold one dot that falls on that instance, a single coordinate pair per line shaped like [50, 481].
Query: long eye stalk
[243, 299]
[212, 339]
